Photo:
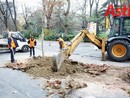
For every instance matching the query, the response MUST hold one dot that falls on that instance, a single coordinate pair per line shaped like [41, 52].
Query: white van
[23, 45]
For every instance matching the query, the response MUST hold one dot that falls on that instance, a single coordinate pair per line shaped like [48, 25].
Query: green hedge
[52, 37]
[28, 33]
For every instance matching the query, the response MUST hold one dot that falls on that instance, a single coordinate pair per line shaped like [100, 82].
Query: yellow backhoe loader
[117, 44]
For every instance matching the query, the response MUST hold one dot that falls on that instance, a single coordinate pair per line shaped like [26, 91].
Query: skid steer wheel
[118, 50]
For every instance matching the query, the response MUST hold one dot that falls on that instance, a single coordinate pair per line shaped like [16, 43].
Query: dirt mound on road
[42, 67]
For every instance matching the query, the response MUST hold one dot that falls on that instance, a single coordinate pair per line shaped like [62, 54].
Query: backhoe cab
[117, 45]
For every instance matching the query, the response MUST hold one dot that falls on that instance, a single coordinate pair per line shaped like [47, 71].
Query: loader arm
[72, 46]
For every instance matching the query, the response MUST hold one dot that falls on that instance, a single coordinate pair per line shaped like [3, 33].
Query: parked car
[23, 45]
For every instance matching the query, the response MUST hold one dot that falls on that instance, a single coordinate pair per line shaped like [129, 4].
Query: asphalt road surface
[85, 52]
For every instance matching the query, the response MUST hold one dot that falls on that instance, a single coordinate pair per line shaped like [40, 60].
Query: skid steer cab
[23, 45]
[118, 43]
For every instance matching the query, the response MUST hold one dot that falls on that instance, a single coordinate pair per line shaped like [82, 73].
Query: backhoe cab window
[126, 26]
[115, 28]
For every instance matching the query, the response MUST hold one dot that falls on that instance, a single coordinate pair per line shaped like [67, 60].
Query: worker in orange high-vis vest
[32, 43]
[61, 43]
[12, 45]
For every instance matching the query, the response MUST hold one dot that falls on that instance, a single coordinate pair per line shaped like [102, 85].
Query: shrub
[28, 33]
[52, 37]
[47, 32]
[68, 37]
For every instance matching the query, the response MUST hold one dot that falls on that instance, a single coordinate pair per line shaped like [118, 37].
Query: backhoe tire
[118, 50]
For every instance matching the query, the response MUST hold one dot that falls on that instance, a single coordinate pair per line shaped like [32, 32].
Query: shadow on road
[6, 52]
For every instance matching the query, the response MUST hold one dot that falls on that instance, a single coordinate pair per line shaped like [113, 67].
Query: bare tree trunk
[91, 5]
[84, 21]
[25, 16]
[13, 16]
[97, 2]
[48, 22]
[66, 16]
[49, 12]
[6, 19]
[4, 14]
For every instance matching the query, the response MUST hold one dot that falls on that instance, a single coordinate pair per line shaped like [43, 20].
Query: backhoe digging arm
[78, 39]
[57, 60]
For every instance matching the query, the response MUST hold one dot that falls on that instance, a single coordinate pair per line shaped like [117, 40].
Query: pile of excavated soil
[42, 67]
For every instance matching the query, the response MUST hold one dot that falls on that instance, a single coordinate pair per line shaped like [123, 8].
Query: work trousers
[32, 49]
[12, 52]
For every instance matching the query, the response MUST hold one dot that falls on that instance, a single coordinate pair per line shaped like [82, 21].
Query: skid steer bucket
[57, 61]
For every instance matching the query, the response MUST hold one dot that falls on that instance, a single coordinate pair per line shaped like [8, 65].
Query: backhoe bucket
[57, 61]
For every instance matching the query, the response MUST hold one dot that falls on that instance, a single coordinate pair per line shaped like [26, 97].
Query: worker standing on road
[61, 43]
[32, 43]
[12, 45]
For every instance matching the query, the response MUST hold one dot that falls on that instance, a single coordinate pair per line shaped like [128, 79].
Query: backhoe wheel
[118, 50]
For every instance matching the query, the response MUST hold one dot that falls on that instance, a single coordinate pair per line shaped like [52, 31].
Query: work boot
[34, 56]
[12, 61]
